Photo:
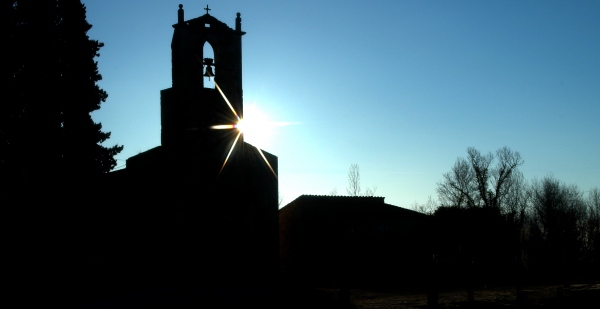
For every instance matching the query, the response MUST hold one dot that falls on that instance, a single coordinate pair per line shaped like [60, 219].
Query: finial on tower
[180, 14]
[207, 9]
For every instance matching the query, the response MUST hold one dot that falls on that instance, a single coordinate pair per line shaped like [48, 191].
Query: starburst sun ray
[227, 101]
[230, 151]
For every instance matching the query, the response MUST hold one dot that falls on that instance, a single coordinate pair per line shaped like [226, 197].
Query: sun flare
[255, 127]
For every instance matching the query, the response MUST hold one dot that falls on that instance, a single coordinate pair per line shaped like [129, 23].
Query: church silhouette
[201, 208]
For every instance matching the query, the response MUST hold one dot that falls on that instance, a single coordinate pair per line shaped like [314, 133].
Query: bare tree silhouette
[473, 182]
[354, 187]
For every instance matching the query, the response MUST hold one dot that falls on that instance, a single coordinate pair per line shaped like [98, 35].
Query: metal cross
[207, 9]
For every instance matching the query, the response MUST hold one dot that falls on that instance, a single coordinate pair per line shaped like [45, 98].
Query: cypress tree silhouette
[48, 138]
[51, 155]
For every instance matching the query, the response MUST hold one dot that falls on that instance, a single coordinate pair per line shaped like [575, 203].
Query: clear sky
[400, 88]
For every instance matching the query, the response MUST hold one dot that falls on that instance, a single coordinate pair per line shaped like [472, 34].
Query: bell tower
[189, 108]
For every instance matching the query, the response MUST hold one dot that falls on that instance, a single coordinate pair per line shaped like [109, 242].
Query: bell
[209, 72]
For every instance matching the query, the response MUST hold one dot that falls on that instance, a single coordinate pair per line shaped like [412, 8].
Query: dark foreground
[551, 296]
[548, 296]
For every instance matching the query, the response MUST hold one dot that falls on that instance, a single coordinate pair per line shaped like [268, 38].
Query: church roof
[359, 206]
[207, 19]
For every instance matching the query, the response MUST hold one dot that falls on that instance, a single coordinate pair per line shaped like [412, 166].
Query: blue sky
[400, 88]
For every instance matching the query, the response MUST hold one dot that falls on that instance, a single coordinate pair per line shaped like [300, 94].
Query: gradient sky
[400, 88]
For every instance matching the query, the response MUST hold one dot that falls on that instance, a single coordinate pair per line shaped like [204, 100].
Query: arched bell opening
[208, 65]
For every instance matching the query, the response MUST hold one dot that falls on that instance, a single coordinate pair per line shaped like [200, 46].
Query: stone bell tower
[190, 107]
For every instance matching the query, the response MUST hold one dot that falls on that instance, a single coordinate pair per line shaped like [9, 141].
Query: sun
[256, 127]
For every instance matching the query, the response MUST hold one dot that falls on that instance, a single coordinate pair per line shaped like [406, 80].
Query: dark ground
[582, 295]
[551, 296]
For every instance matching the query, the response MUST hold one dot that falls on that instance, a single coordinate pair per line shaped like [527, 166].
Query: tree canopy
[47, 134]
